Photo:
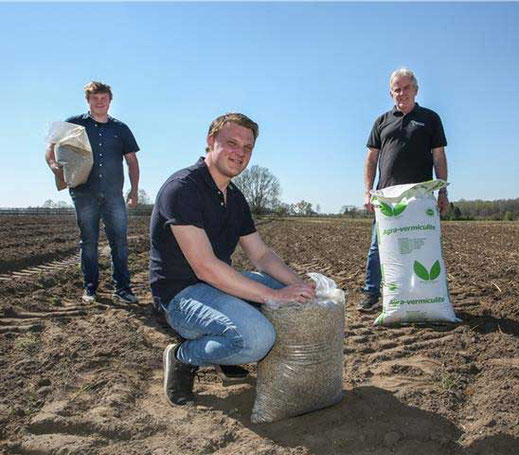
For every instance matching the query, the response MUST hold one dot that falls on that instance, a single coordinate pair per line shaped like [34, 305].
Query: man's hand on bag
[58, 171]
[301, 292]
[132, 199]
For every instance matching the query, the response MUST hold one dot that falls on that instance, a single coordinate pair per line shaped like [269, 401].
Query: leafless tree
[260, 187]
[304, 208]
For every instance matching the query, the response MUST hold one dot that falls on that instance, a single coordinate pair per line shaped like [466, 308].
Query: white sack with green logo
[414, 279]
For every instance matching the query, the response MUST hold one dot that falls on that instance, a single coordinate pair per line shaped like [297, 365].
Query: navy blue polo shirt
[110, 141]
[190, 197]
[405, 143]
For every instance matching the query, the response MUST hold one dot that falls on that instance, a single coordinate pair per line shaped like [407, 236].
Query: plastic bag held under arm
[303, 371]
[72, 151]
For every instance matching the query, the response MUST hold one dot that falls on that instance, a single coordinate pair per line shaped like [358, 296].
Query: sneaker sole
[120, 299]
[369, 310]
[88, 299]
[166, 365]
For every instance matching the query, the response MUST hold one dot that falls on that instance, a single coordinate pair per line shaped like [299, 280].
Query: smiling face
[403, 91]
[99, 104]
[229, 152]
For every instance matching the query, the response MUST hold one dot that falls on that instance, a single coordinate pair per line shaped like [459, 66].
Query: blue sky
[313, 75]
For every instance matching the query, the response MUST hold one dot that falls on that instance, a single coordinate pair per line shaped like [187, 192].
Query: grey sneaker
[125, 296]
[231, 373]
[89, 295]
[369, 303]
[178, 378]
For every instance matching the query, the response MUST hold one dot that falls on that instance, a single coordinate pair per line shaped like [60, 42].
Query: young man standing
[101, 196]
[198, 219]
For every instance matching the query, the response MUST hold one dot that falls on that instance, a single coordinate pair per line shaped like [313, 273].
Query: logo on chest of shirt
[414, 122]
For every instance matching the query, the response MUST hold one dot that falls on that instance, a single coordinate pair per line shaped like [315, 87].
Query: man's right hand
[295, 292]
[58, 171]
[367, 202]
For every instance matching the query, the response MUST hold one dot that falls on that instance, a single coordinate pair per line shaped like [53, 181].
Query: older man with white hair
[406, 143]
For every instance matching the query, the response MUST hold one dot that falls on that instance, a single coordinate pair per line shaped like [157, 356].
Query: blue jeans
[373, 273]
[90, 209]
[220, 329]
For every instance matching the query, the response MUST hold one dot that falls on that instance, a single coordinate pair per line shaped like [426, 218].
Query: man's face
[231, 149]
[403, 92]
[99, 103]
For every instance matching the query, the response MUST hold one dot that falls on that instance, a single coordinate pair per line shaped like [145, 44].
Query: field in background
[87, 380]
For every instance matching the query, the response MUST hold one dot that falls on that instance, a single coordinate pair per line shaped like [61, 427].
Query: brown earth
[87, 379]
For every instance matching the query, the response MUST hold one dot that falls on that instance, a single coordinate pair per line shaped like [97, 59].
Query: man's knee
[89, 230]
[118, 244]
[89, 240]
[259, 341]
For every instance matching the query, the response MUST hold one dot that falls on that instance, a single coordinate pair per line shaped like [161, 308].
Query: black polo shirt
[405, 143]
[110, 141]
[190, 197]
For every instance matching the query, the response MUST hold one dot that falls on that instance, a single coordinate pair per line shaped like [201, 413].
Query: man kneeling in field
[198, 219]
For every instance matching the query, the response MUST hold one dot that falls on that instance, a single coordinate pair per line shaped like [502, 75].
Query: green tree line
[263, 190]
[501, 209]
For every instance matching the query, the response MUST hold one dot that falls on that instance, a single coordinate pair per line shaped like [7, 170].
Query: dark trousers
[373, 273]
[90, 209]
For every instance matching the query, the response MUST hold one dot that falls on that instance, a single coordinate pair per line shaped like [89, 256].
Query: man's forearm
[369, 176]
[440, 163]
[440, 170]
[272, 264]
[50, 157]
[370, 169]
[134, 173]
[54, 166]
[223, 277]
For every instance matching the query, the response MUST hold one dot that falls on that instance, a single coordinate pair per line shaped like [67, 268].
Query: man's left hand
[132, 199]
[443, 203]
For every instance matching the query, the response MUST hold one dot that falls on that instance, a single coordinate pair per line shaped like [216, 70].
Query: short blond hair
[234, 117]
[94, 87]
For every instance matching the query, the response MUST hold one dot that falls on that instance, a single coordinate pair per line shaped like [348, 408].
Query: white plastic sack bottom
[304, 369]
[414, 279]
[72, 151]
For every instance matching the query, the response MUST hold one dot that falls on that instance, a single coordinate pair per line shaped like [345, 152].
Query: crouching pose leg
[218, 329]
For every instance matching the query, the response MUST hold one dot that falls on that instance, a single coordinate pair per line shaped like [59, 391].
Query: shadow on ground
[369, 420]
[486, 323]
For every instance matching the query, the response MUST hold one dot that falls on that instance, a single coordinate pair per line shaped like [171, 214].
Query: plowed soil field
[79, 379]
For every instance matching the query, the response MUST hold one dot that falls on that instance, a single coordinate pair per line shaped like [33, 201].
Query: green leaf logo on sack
[425, 275]
[430, 212]
[387, 210]
[392, 286]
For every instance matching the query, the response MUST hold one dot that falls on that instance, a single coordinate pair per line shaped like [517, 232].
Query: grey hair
[406, 72]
